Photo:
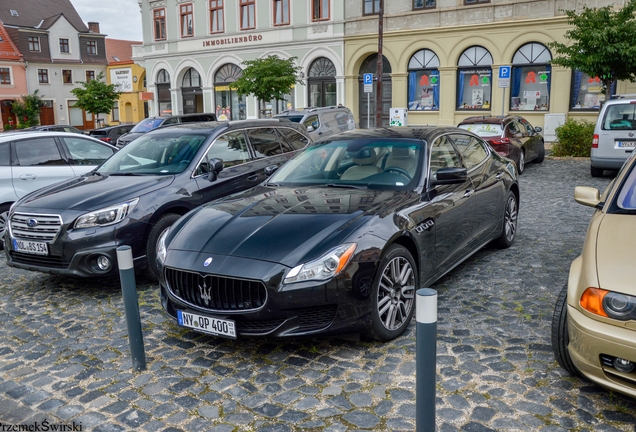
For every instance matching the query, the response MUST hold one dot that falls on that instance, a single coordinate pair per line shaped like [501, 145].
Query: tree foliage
[603, 44]
[27, 110]
[95, 96]
[267, 78]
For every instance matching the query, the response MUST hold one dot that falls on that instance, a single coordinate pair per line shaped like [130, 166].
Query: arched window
[474, 78]
[191, 92]
[322, 83]
[191, 78]
[229, 106]
[163, 92]
[531, 78]
[424, 81]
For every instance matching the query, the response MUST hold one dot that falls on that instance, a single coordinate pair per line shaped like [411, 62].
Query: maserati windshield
[155, 155]
[362, 162]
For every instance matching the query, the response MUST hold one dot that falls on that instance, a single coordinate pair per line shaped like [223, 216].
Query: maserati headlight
[106, 216]
[162, 249]
[325, 267]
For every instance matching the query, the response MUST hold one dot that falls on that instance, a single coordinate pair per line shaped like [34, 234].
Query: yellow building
[442, 61]
[131, 79]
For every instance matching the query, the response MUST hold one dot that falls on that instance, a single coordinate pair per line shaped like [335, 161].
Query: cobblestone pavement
[64, 355]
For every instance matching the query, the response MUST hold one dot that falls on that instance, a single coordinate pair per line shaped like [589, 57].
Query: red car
[511, 136]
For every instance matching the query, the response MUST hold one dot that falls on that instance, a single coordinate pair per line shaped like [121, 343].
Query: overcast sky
[119, 19]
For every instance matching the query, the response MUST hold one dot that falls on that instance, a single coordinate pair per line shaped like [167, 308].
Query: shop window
[321, 83]
[423, 4]
[34, 43]
[67, 76]
[371, 7]
[5, 75]
[64, 45]
[187, 29]
[216, 16]
[160, 24]
[164, 99]
[248, 14]
[474, 78]
[91, 47]
[531, 78]
[43, 76]
[281, 12]
[587, 92]
[423, 81]
[229, 104]
[320, 10]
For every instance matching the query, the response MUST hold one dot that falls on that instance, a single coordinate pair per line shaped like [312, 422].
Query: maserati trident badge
[205, 293]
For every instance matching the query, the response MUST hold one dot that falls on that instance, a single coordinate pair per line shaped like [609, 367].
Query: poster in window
[478, 98]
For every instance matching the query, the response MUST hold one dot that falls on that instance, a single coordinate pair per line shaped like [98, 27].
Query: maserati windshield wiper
[346, 186]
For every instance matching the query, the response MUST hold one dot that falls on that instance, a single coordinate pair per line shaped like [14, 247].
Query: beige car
[594, 321]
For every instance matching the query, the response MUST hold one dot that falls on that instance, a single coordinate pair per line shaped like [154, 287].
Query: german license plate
[622, 144]
[30, 247]
[213, 326]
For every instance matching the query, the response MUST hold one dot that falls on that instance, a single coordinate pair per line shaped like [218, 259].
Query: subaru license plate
[213, 326]
[30, 247]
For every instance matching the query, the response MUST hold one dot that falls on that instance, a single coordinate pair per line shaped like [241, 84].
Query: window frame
[67, 76]
[248, 6]
[90, 75]
[317, 6]
[575, 93]
[34, 44]
[475, 2]
[217, 16]
[64, 43]
[280, 5]
[5, 75]
[425, 5]
[427, 63]
[374, 4]
[43, 74]
[184, 14]
[91, 47]
[159, 19]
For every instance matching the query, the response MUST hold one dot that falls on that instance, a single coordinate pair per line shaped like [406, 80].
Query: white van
[321, 121]
[614, 135]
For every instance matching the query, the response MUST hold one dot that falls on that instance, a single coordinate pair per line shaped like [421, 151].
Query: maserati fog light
[103, 263]
[623, 365]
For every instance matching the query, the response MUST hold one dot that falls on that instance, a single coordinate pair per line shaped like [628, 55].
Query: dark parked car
[110, 134]
[74, 228]
[53, 128]
[151, 123]
[511, 136]
[340, 237]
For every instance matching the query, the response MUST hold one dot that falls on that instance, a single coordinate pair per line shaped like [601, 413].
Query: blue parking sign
[504, 72]
[368, 78]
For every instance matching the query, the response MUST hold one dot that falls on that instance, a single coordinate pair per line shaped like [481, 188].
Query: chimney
[93, 27]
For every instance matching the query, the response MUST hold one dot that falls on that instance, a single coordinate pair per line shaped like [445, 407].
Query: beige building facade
[444, 59]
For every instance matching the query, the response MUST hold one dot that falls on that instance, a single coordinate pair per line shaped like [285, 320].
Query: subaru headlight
[162, 248]
[106, 216]
[325, 267]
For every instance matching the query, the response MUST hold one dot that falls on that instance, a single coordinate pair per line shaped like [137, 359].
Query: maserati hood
[91, 192]
[281, 225]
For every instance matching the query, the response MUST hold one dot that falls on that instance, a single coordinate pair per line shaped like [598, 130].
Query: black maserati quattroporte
[340, 237]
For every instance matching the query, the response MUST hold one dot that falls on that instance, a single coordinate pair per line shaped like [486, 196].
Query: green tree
[603, 44]
[27, 110]
[267, 78]
[95, 96]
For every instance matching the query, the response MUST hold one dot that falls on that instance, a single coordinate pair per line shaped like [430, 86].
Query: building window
[281, 12]
[423, 81]
[587, 92]
[227, 100]
[216, 16]
[164, 98]
[531, 78]
[91, 47]
[43, 76]
[67, 76]
[5, 76]
[34, 43]
[322, 83]
[423, 4]
[64, 45]
[114, 113]
[472, 2]
[474, 78]
[371, 7]
[160, 24]
[248, 14]
[90, 75]
[187, 29]
[320, 10]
